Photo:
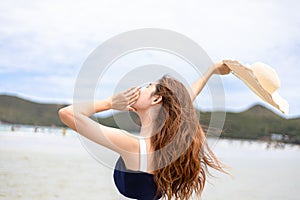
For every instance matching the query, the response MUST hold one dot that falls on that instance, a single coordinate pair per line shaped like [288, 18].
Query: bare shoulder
[121, 141]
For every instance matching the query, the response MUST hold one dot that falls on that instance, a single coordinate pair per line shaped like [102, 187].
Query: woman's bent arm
[70, 114]
[77, 117]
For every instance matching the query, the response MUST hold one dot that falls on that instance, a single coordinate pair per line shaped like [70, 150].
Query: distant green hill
[259, 123]
[15, 110]
[255, 123]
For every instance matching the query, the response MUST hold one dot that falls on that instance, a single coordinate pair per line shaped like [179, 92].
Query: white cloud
[54, 37]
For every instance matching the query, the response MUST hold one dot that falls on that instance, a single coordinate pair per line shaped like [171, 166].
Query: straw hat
[262, 80]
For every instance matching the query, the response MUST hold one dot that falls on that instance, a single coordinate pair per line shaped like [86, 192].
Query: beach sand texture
[51, 166]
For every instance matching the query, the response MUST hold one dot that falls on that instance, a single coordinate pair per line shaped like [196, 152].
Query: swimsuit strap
[143, 155]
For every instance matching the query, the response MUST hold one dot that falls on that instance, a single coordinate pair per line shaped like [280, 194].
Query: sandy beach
[51, 166]
[36, 166]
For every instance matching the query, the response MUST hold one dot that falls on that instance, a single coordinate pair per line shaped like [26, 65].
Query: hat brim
[247, 76]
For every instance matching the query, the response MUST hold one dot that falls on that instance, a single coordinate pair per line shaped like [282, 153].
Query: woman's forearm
[79, 111]
[199, 84]
[217, 68]
[90, 108]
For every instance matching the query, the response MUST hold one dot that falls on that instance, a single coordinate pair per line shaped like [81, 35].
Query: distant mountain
[259, 110]
[255, 123]
[259, 123]
[16, 110]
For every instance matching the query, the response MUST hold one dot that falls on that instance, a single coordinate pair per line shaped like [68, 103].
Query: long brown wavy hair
[184, 155]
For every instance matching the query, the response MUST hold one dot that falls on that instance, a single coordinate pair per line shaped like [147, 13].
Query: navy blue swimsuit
[135, 184]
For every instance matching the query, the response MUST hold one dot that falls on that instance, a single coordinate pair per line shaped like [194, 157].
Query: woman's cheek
[137, 103]
[141, 103]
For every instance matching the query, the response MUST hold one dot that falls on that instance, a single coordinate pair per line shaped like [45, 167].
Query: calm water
[259, 170]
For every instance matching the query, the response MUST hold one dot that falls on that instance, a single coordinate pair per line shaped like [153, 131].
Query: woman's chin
[134, 107]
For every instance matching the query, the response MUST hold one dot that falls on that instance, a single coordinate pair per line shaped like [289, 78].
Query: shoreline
[58, 130]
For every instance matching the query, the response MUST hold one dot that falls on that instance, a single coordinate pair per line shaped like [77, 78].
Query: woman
[170, 136]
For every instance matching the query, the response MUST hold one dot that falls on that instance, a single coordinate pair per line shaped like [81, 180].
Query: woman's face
[146, 95]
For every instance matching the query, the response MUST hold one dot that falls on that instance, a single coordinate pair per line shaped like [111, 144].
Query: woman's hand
[220, 68]
[124, 100]
[216, 68]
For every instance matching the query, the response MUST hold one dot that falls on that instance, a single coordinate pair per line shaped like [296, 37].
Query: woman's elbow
[64, 114]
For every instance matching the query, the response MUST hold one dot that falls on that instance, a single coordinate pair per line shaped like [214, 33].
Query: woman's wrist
[214, 68]
[220, 68]
[102, 105]
[109, 102]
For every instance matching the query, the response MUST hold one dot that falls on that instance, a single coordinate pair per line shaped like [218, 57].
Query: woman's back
[136, 184]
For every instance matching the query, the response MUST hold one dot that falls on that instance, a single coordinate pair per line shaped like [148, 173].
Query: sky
[43, 44]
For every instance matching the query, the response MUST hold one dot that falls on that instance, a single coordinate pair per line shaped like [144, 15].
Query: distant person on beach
[170, 157]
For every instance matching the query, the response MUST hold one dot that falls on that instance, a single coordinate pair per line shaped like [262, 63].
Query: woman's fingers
[130, 90]
[124, 100]
[221, 68]
[134, 97]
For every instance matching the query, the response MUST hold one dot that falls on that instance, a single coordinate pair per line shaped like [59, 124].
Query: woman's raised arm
[198, 85]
